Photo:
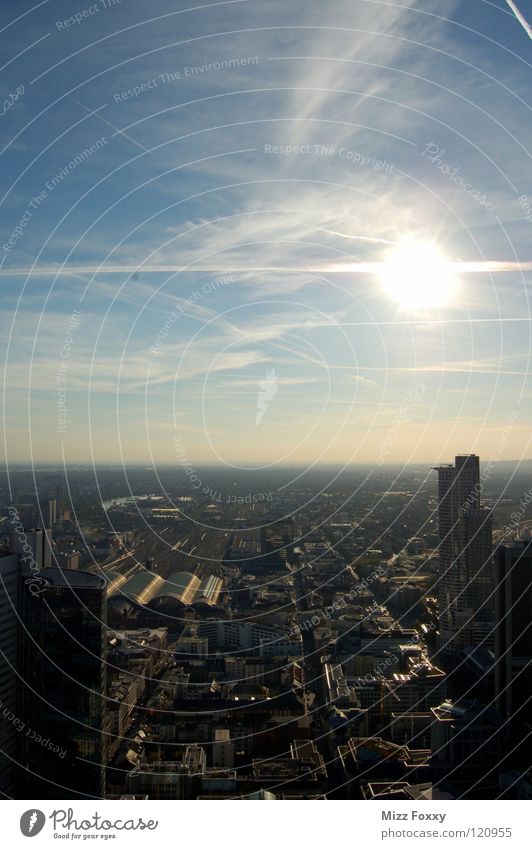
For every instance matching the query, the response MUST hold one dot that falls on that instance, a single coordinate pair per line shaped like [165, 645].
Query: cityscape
[266, 452]
[344, 634]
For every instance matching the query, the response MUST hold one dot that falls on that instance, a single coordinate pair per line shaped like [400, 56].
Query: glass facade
[62, 689]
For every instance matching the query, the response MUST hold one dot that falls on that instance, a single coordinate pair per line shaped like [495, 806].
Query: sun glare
[417, 276]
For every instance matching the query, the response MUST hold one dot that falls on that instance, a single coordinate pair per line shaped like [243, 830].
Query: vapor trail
[360, 238]
[370, 267]
[520, 17]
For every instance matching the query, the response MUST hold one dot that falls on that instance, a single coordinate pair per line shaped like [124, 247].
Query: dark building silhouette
[62, 687]
[9, 720]
[513, 632]
[34, 548]
[468, 742]
[465, 557]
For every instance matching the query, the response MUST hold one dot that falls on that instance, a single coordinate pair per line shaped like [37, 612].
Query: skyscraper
[9, 720]
[513, 632]
[465, 558]
[51, 512]
[34, 547]
[62, 690]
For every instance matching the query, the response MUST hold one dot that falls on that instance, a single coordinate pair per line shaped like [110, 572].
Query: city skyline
[266, 467]
[355, 638]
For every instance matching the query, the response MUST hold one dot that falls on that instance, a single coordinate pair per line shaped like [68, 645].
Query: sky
[259, 233]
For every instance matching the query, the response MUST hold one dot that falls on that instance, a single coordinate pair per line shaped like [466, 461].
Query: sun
[417, 275]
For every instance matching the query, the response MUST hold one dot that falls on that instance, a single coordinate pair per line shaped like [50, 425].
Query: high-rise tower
[513, 630]
[34, 548]
[10, 723]
[62, 689]
[465, 557]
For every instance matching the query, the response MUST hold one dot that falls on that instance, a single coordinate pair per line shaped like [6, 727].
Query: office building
[62, 687]
[223, 749]
[468, 742]
[180, 779]
[51, 512]
[10, 723]
[465, 558]
[34, 547]
[513, 631]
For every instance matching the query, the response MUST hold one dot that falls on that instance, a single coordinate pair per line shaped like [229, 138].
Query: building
[468, 741]
[249, 636]
[181, 590]
[190, 643]
[465, 557]
[513, 629]
[51, 512]
[223, 749]
[418, 690]
[140, 648]
[124, 692]
[375, 758]
[34, 548]
[62, 752]
[303, 772]
[394, 791]
[10, 722]
[67, 559]
[180, 779]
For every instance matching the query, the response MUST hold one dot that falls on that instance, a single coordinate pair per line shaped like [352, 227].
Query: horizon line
[252, 467]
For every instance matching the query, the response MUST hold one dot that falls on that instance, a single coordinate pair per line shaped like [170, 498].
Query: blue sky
[173, 268]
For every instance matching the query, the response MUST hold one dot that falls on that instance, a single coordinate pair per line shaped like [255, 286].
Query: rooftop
[74, 578]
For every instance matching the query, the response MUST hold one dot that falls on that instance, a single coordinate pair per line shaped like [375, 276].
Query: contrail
[360, 238]
[121, 132]
[520, 17]
[458, 267]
